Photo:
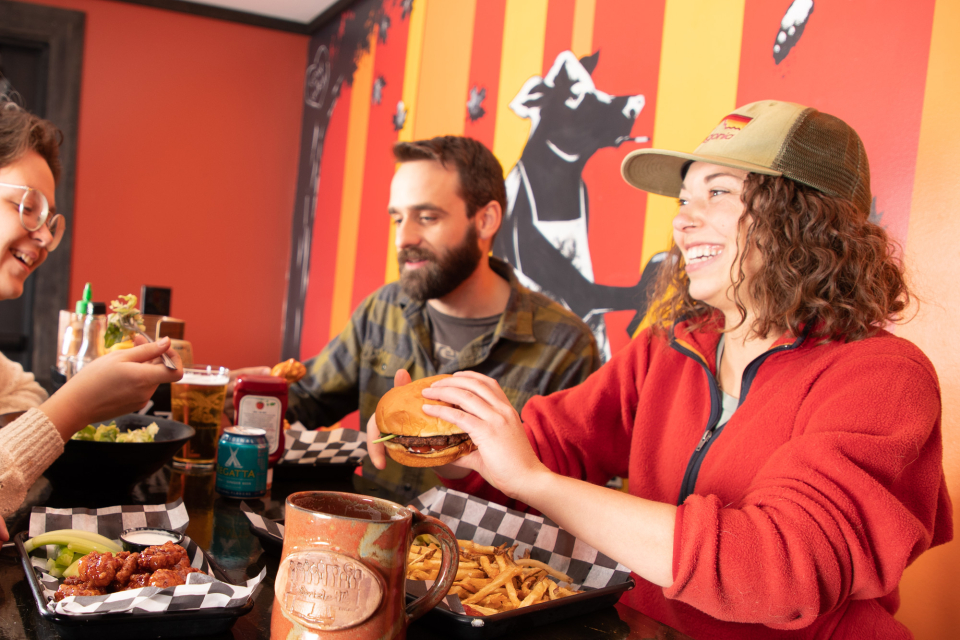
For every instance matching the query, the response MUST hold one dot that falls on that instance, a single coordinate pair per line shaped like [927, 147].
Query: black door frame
[61, 31]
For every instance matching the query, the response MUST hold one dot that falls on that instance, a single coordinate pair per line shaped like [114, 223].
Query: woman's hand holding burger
[402, 430]
[481, 410]
[504, 457]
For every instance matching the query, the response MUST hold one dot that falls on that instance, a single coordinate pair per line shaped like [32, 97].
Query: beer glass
[197, 400]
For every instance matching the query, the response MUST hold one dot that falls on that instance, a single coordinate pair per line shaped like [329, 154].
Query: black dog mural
[544, 235]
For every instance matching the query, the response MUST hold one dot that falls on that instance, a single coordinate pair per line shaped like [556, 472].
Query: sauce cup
[136, 540]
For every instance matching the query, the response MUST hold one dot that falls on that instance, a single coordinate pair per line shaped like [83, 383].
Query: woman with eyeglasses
[113, 385]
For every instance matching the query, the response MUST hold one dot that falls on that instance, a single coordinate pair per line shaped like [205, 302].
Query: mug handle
[448, 566]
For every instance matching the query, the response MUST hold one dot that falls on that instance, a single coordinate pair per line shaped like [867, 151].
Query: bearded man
[454, 308]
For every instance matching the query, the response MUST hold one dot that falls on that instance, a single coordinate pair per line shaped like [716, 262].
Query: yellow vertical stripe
[352, 190]
[699, 68]
[582, 41]
[445, 69]
[411, 87]
[524, 32]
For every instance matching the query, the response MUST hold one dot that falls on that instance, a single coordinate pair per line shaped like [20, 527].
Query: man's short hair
[481, 175]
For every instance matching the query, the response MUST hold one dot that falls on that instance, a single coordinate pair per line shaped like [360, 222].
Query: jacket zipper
[712, 431]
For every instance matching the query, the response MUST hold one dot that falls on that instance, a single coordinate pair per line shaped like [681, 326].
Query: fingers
[473, 396]
[149, 353]
[401, 378]
[477, 383]
[462, 419]
[4, 536]
[145, 351]
[376, 450]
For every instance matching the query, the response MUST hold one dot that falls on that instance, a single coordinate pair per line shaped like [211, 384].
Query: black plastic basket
[122, 626]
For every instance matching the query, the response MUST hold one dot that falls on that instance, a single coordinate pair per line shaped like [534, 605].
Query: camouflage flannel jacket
[538, 347]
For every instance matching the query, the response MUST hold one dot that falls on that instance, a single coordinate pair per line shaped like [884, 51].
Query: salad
[122, 307]
[111, 433]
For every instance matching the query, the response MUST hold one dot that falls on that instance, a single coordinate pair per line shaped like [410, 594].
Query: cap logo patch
[729, 127]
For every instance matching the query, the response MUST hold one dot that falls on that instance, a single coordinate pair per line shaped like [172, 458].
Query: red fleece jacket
[809, 503]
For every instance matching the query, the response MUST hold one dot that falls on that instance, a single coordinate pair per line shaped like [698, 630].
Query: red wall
[186, 170]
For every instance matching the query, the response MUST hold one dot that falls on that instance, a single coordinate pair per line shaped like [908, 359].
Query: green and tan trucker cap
[772, 138]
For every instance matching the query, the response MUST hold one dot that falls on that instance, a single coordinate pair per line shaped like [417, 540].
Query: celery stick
[56, 572]
[65, 558]
[73, 570]
[83, 547]
[66, 536]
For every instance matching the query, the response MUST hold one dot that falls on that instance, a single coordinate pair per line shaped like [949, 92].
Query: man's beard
[438, 277]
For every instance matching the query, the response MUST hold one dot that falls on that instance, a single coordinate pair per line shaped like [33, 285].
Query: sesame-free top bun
[400, 412]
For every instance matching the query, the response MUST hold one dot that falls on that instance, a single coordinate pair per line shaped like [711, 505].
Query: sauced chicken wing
[137, 580]
[164, 578]
[75, 587]
[98, 569]
[184, 568]
[161, 566]
[164, 556]
[130, 565]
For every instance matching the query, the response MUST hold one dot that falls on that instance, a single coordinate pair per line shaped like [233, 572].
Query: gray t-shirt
[729, 402]
[450, 334]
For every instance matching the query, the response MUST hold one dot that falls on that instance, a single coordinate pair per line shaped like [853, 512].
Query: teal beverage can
[242, 463]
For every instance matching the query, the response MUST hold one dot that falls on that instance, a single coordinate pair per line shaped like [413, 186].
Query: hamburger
[413, 438]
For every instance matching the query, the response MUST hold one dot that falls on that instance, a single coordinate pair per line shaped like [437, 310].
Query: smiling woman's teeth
[22, 257]
[703, 252]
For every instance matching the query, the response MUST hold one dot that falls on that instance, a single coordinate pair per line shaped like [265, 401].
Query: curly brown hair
[21, 131]
[825, 268]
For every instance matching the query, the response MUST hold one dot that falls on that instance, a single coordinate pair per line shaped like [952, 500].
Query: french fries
[489, 580]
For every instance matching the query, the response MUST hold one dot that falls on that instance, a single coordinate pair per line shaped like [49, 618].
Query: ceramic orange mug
[343, 568]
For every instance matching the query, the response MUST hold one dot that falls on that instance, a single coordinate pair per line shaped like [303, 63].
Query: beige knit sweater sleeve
[19, 390]
[28, 446]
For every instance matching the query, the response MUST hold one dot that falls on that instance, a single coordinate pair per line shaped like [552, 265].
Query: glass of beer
[197, 400]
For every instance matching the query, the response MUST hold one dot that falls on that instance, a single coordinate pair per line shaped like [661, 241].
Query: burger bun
[400, 412]
[432, 459]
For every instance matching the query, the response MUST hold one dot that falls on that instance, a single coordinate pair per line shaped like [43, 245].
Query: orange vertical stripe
[352, 190]
[444, 68]
[929, 586]
[583, 17]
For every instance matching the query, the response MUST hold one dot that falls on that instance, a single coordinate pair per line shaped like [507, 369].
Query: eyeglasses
[34, 211]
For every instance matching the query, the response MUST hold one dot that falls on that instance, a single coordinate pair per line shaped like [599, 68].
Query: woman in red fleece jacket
[783, 450]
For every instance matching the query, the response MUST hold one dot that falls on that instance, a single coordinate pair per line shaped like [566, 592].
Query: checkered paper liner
[488, 523]
[202, 590]
[337, 446]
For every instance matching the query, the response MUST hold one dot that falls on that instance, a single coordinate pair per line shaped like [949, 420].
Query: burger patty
[435, 441]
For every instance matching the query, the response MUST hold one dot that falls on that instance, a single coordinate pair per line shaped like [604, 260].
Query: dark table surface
[218, 525]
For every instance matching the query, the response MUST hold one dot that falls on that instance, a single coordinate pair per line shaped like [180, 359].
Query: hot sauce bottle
[261, 402]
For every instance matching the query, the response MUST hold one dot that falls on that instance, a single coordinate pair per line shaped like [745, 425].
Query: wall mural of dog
[545, 230]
